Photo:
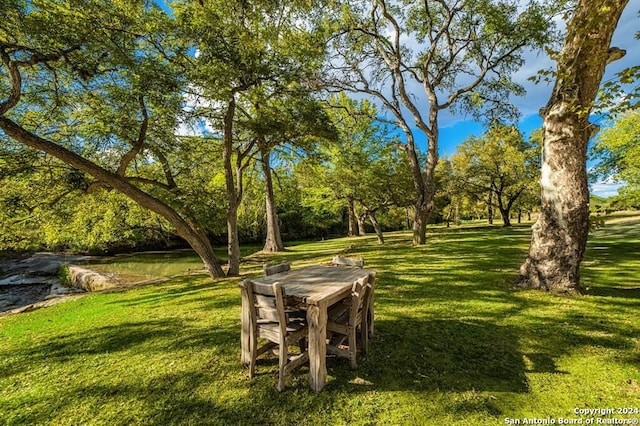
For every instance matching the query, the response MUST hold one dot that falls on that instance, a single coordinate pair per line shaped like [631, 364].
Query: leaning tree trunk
[273, 241]
[560, 234]
[196, 238]
[376, 226]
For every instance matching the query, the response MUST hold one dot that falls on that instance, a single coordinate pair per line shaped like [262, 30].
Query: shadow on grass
[129, 338]
[625, 293]
[441, 355]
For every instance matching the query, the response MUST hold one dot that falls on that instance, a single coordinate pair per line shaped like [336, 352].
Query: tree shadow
[144, 337]
[625, 293]
[440, 355]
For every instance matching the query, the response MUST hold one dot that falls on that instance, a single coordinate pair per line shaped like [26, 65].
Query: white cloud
[538, 94]
[606, 189]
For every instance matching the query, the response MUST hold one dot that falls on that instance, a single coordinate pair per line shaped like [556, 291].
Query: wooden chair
[276, 269]
[294, 307]
[348, 316]
[268, 320]
[345, 261]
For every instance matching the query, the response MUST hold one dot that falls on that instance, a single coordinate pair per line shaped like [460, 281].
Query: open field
[454, 344]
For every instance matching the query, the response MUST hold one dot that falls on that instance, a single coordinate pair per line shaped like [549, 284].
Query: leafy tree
[560, 234]
[279, 119]
[45, 204]
[362, 168]
[500, 164]
[244, 48]
[460, 53]
[451, 194]
[97, 87]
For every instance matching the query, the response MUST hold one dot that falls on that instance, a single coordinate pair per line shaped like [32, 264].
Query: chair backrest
[371, 280]
[345, 261]
[276, 269]
[359, 296]
[268, 303]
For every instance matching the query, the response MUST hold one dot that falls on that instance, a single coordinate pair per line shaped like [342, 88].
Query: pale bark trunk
[191, 233]
[273, 242]
[560, 234]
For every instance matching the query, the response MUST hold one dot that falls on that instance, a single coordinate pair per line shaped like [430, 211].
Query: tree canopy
[419, 59]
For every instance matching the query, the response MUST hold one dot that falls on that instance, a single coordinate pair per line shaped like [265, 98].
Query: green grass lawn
[453, 345]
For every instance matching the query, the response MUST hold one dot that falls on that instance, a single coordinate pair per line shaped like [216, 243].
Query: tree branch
[139, 143]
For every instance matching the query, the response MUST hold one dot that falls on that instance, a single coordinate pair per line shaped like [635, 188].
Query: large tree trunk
[273, 242]
[420, 225]
[196, 238]
[560, 234]
[423, 208]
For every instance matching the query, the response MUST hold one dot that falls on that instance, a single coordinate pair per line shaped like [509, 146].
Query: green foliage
[499, 163]
[617, 148]
[64, 276]
[363, 165]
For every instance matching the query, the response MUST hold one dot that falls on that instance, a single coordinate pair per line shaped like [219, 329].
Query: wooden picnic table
[318, 287]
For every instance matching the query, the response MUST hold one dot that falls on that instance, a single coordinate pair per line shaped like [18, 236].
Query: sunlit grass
[453, 345]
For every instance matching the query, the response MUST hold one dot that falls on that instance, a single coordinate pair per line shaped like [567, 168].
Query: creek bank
[35, 281]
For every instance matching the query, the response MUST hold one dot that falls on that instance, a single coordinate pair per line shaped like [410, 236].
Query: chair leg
[253, 350]
[352, 348]
[283, 362]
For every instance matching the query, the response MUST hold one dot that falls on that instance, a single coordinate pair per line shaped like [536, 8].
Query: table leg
[245, 334]
[317, 319]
